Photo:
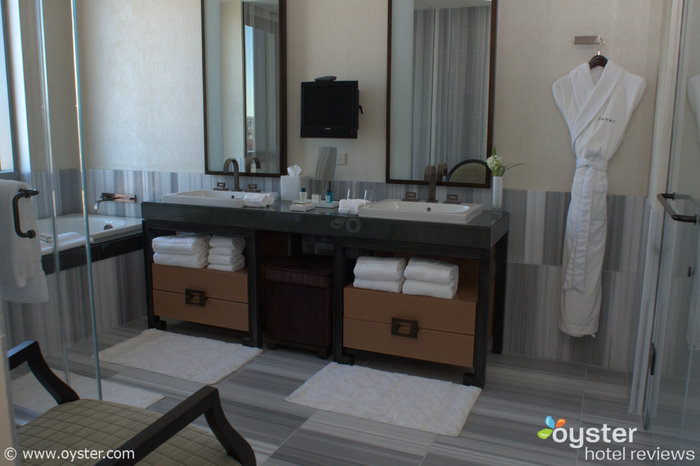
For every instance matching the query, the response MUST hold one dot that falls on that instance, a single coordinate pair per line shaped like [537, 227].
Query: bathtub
[102, 227]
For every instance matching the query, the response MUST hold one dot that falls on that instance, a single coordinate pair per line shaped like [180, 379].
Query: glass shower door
[64, 326]
[673, 392]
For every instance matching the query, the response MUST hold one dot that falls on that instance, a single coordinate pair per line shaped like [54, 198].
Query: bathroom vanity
[452, 331]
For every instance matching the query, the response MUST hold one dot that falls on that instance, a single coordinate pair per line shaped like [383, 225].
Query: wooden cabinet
[420, 327]
[201, 295]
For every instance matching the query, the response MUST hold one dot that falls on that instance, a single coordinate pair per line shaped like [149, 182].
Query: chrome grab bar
[22, 193]
[663, 199]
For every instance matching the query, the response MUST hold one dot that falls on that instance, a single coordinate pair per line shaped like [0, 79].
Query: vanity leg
[481, 336]
[338, 285]
[499, 305]
[254, 337]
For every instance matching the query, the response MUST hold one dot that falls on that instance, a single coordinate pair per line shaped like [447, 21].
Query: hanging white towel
[235, 242]
[181, 244]
[21, 276]
[436, 290]
[379, 268]
[694, 97]
[351, 206]
[392, 286]
[193, 261]
[431, 270]
[596, 110]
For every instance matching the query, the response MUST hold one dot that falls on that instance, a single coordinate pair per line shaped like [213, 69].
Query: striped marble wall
[120, 296]
[534, 257]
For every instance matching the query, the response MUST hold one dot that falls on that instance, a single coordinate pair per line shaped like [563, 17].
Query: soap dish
[326, 205]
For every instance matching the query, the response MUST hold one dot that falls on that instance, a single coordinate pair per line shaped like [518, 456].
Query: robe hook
[602, 44]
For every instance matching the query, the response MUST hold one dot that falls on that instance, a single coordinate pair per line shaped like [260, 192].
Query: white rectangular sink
[422, 211]
[206, 197]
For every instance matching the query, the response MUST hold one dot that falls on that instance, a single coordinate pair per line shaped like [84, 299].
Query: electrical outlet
[341, 158]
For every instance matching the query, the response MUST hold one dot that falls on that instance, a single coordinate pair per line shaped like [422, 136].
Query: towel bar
[22, 193]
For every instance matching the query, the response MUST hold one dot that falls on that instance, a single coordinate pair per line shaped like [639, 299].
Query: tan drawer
[227, 314]
[430, 345]
[452, 315]
[230, 286]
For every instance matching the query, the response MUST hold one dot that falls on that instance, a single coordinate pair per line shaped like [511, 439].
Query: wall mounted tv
[329, 109]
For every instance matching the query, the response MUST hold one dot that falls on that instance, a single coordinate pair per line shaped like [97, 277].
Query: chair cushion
[103, 425]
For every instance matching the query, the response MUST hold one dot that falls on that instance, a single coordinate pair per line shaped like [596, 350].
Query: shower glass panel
[672, 410]
[51, 162]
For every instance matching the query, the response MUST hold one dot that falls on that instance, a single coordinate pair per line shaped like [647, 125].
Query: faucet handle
[253, 188]
[411, 196]
[452, 199]
[221, 186]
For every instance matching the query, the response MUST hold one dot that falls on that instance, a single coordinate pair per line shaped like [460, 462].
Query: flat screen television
[329, 109]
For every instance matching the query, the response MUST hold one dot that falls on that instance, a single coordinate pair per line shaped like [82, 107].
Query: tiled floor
[501, 429]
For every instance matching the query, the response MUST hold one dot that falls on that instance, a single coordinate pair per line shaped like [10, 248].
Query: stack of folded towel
[182, 250]
[351, 206]
[429, 277]
[226, 253]
[379, 273]
[258, 199]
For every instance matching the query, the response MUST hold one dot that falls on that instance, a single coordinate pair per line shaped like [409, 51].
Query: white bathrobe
[597, 113]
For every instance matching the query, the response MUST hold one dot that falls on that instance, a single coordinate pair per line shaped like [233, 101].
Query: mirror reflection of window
[261, 49]
[450, 85]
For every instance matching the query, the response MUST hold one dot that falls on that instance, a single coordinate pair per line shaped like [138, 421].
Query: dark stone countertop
[481, 232]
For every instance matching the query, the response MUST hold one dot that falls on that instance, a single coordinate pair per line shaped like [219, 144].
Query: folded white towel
[379, 268]
[436, 290]
[431, 270]
[226, 268]
[22, 278]
[193, 261]
[66, 240]
[235, 242]
[181, 244]
[225, 251]
[258, 199]
[392, 286]
[351, 206]
[226, 259]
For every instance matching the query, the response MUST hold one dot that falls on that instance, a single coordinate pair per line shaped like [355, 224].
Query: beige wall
[534, 48]
[148, 55]
[141, 73]
[347, 39]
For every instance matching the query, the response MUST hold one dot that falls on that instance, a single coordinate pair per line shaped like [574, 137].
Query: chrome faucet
[114, 197]
[236, 173]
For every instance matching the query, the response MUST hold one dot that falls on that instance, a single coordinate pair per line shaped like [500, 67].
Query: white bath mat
[28, 393]
[399, 399]
[198, 359]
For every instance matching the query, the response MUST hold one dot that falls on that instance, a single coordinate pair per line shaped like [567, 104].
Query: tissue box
[290, 186]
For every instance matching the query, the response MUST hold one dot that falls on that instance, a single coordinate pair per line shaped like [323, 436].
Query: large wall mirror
[440, 94]
[244, 85]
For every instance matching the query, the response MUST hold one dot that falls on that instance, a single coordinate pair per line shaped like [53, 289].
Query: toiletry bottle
[302, 195]
[329, 196]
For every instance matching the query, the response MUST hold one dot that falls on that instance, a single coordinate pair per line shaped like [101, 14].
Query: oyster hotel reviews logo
[589, 438]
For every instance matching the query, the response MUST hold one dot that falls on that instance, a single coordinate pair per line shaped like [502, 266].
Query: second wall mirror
[440, 86]
[244, 61]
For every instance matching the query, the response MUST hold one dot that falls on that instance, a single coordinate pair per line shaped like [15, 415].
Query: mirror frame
[489, 124]
[282, 119]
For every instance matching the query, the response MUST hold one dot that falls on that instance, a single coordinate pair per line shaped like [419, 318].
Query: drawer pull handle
[195, 297]
[396, 325]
